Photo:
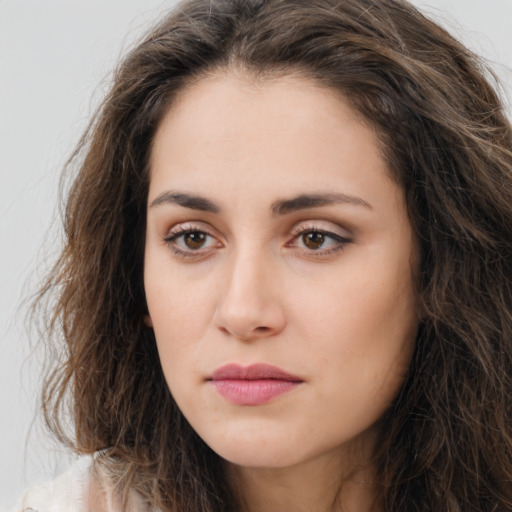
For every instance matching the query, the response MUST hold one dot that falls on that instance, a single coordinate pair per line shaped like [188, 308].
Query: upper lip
[253, 372]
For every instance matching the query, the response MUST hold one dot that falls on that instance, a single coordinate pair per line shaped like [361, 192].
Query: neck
[318, 485]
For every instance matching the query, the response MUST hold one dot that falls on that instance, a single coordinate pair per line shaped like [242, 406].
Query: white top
[81, 489]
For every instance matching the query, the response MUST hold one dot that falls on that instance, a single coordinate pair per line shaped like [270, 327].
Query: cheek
[360, 305]
[363, 329]
[170, 296]
[180, 311]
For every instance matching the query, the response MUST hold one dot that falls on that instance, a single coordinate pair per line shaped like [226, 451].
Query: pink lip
[252, 385]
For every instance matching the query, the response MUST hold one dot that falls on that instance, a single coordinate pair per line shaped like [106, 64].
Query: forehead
[231, 134]
[218, 108]
[249, 88]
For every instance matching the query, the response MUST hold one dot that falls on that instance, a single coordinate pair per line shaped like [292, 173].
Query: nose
[250, 304]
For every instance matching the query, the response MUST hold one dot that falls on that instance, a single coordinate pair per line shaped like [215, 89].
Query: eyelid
[180, 229]
[184, 227]
[328, 229]
[339, 238]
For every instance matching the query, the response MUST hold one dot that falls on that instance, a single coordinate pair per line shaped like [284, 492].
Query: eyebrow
[187, 201]
[279, 207]
[305, 201]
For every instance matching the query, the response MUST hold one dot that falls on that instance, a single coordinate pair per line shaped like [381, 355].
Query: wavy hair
[445, 443]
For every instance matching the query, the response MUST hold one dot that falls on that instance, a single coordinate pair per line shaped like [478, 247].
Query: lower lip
[252, 392]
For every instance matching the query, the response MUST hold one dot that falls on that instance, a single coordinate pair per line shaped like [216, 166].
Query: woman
[286, 283]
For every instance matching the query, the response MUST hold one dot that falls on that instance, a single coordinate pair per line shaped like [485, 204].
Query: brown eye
[194, 239]
[316, 242]
[191, 242]
[313, 239]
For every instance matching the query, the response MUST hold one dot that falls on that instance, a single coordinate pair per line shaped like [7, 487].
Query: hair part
[446, 440]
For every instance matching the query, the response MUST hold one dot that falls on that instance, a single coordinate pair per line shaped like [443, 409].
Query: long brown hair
[446, 441]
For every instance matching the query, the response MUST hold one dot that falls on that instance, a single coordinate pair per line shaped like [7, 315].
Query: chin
[256, 451]
[256, 457]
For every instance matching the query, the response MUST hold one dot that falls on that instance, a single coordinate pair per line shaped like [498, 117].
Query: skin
[243, 286]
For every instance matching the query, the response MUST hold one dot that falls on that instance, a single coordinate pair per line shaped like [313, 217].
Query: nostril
[246, 335]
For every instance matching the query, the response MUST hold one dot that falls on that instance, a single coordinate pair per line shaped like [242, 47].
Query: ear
[148, 322]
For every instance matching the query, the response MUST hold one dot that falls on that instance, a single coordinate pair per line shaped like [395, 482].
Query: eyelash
[181, 231]
[340, 240]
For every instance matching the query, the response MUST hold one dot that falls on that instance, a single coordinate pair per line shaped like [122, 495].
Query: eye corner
[191, 241]
[317, 242]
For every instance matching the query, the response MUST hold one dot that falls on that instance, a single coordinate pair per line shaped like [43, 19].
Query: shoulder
[85, 487]
[66, 493]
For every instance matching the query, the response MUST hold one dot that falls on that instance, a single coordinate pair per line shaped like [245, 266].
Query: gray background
[55, 59]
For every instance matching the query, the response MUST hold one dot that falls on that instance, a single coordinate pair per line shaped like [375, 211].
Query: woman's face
[278, 269]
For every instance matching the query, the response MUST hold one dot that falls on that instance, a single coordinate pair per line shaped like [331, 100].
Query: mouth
[256, 384]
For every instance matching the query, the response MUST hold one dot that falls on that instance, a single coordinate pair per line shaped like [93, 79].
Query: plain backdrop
[55, 63]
